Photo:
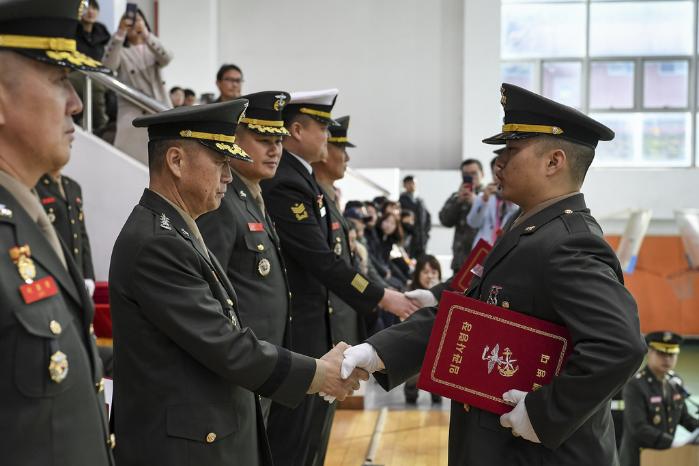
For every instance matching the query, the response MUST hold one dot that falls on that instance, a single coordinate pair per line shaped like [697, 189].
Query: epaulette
[575, 222]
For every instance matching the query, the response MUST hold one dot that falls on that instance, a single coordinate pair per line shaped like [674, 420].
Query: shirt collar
[27, 198]
[539, 207]
[252, 186]
[188, 220]
[304, 163]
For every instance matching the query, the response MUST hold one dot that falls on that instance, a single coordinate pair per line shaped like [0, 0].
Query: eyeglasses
[233, 80]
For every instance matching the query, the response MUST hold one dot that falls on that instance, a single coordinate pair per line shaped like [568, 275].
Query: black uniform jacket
[555, 266]
[244, 241]
[346, 324]
[651, 417]
[45, 422]
[68, 218]
[185, 369]
[300, 213]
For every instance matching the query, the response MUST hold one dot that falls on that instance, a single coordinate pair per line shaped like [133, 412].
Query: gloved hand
[518, 418]
[363, 356]
[90, 286]
[422, 298]
[691, 439]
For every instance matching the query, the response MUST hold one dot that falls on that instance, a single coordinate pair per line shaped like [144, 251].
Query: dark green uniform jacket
[651, 417]
[555, 266]
[185, 367]
[47, 422]
[68, 218]
[244, 241]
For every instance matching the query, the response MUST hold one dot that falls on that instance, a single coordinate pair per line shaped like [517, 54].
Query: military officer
[51, 395]
[345, 323]
[300, 212]
[554, 264]
[654, 402]
[187, 370]
[62, 199]
[241, 234]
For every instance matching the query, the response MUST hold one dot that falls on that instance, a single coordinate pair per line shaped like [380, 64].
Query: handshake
[339, 371]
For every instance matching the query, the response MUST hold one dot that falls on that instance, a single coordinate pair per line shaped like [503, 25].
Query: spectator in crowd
[427, 274]
[456, 209]
[490, 212]
[207, 98]
[229, 81]
[390, 207]
[91, 38]
[423, 220]
[190, 97]
[176, 96]
[392, 253]
[137, 56]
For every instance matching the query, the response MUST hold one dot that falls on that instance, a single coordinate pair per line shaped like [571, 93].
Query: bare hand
[125, 24]
[397, 304]
[333, 385]
[492, 188]
[466, 193]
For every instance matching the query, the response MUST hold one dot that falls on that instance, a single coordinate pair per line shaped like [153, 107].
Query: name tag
[656, 399]
[48, 200]
[256, 227]
[38, 290]
[335, 226]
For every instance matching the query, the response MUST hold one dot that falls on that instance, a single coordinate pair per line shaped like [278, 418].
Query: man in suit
[240, 232]
[300, 212]
[188, 373]
[51, 390]
[654, 402]
[553, 264]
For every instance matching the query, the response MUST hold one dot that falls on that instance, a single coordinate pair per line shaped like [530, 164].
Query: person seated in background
[190, 98]
[490, 212]
[229, 80]
[176, 96]
[456, 209]
[392, 253]
[427, 274]
[654, 402]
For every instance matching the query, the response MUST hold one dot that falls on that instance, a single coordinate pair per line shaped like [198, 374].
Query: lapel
[509, 240]
[226, 283]
[245, 196]
[335, 215]
[27, 232]
[315, 188]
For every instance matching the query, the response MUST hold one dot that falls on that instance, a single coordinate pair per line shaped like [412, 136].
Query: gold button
[55, 327]
[92, 329]
[260, 247]
[506, 304]
[330, 310]
[70, 208]
[210, 437]
[229, 301]
[100, 386]
[72, 221]
[75, 250]
[111, 441]
[568, 211]
[75, 236]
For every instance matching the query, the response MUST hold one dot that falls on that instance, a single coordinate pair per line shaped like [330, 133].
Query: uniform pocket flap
[206, 423]
[254, 242]
[44, 319]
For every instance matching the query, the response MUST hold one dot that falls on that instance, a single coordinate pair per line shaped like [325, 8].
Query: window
[631, 64]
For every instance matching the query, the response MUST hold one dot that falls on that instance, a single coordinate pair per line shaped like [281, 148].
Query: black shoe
[411, 400]
[436, 399]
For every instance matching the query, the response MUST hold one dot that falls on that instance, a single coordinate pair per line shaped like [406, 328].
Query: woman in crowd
[137, 56]
[392, 253]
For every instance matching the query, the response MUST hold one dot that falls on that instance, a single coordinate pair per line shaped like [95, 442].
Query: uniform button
[669, 419]
[72, 221]
[75, 251]
[46, 181]
[210, 437]
[260, 247]
[289, 294]
[55, 327]
[506, 304]
[111, 441]
[92, 329]
[100, 386]
[568, 211]
[75, 236]
[330, 310]
[290, 318]
[70, 208]
[229, 301]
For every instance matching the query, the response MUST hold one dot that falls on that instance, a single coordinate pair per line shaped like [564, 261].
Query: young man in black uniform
[654, 402]
[240, 233]
[51, 390]
[188, 373]
[554, 264]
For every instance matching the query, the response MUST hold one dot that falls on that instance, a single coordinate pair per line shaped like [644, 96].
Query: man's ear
[296, 130]
[556, 160]
[174, 159]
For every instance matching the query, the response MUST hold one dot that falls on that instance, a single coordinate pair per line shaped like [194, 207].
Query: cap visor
[73, 60]
[229, 150]
[502, 138]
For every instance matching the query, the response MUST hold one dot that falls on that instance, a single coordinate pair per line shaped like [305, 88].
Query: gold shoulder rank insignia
[299, 210]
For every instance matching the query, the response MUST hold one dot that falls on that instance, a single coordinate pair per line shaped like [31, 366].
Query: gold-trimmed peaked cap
[528, 114]
[212, 125]
[664, 342]
[264, 112]
[338, 134]
[45, 30]
[315, 104]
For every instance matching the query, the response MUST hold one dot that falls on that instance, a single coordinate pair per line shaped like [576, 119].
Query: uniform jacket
[185, 367]
[651, 418]
[555, 266]
[46, 422]
[68, 218]
[453, 214]
[300, 213]
[246, 244]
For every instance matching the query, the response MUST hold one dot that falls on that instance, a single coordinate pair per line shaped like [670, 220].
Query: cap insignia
[503, 97]
[280, 102]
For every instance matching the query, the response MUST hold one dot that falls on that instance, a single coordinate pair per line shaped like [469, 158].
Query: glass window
[641, 28]
[622, 149]
[665, 84]
[612, 85]
[543, 30]
[561, 82]
[519, 74]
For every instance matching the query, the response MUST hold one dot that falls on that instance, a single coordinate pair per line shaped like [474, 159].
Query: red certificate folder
[478, 351]
[473, 262]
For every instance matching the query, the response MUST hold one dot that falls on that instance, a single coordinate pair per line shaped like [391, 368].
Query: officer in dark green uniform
[553, 264]
[51, 390]
[240, 232]
[187, 370]
[654, 402]
[62, 199]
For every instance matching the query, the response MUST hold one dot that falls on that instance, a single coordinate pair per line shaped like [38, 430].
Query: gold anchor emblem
[505, 365]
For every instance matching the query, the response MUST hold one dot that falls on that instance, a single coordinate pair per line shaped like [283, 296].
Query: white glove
[90, 286]
[423, 298]
[518, 419]
[363, 356]
[692, 438]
